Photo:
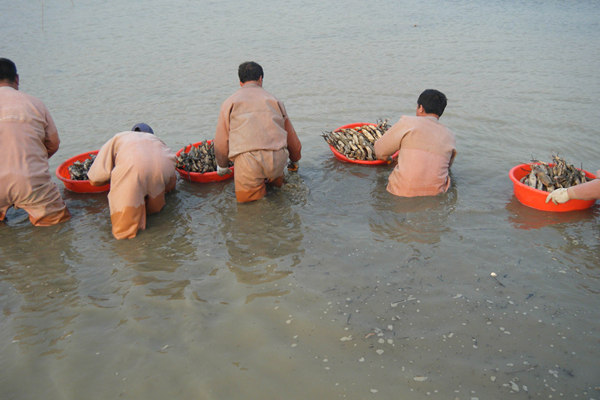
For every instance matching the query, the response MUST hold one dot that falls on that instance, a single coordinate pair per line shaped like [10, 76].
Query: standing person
[28, 138]
[141, 169]
[426, 149]
[255, 132]
[584, 191]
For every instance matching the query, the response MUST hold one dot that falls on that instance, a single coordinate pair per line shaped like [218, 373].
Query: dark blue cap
[142, 127]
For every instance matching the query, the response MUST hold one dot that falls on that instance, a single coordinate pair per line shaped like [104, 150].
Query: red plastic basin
[205, 177]
[62, 173]
[535, 198]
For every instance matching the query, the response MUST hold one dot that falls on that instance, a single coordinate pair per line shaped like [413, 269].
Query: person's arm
[293, 142]
[452, 158]
[389, 143]
[99, 172]
[51, 140]
[584, 191]
[221, 141]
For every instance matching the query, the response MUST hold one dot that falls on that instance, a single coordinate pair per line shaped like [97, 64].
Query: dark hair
[249, 71]
[433, 101]
[8, 70]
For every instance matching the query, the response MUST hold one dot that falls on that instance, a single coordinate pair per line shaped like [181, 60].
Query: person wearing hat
[426, 149]
[255, 132]
[141, 169]
[28, 138]
[589, 190]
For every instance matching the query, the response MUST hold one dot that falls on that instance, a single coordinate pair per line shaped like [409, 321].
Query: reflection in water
[410, 219]
[263, 239]
[39, 290]
[155, 255]
[523, 217]
[579, 230]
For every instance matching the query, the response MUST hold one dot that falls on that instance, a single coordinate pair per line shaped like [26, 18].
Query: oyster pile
[357, 143]
[199, 159]
[558, 174]
[78, 170]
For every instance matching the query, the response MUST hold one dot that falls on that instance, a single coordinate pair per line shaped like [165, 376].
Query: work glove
[223, 171]
[558, 196]
[292, 166]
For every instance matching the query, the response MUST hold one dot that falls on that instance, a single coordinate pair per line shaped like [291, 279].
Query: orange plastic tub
[205, 177]
[342, 157]
[62, 173]
[535, 198]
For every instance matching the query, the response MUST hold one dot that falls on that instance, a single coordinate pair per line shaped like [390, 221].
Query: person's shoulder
[407, 120]
[233, 97]
[269, 94]
[125, 135]
[30, 98]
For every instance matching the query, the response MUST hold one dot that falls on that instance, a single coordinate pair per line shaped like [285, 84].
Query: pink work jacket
[28, 137]
[253, 119]
[426, 151]
[137, 164]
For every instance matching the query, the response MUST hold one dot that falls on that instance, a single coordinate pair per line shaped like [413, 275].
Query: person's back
[23, 136]
[255, 132]
[424, 158]
[142, 155]
[426, 149]
[256, 121]
[141, 169]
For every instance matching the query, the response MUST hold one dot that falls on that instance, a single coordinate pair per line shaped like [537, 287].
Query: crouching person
[141, 169]
[28, 138]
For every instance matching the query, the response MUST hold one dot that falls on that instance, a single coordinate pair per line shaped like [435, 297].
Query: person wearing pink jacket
[255, 132]
[141, 169]
[426, 149]
[584, 191]
[28, 138]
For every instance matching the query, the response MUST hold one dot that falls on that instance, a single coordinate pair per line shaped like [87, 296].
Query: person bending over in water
[426, 149]
[140, 169]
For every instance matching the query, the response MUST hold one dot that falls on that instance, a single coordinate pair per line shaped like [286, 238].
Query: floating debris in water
[357, 143]
[78, 170]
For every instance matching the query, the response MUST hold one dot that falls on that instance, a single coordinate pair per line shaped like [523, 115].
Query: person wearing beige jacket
[28, 138]
[255, 132]
[426, 149]
[141, 169]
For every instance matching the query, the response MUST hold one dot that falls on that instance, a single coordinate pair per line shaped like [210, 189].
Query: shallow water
[329, 287]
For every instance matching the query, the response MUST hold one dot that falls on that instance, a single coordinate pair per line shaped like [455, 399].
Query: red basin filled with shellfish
[342, 157]
[535, 198]
[200, 177]
[78, 186]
